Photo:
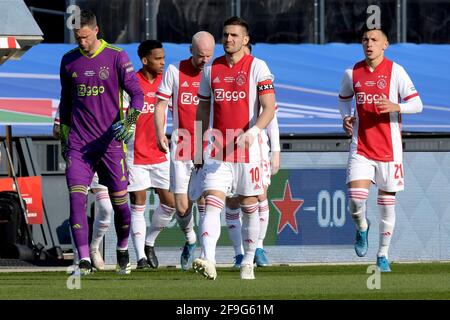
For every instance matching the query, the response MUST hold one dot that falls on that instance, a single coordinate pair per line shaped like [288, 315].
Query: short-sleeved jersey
[377, 136]
[235, 91]
[181, 83]
[143, 149]
[91, 96]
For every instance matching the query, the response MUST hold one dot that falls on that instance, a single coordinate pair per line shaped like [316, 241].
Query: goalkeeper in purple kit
[93, 129]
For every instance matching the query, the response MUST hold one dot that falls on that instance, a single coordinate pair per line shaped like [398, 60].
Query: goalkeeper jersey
[92, 96]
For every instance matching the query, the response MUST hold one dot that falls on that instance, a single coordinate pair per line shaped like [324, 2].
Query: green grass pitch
[407, 281]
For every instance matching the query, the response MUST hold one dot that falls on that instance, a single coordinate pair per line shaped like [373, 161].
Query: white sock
[386, 206]
[234, 226]
[186, 224]
[358, 198]
[102, 219]
[160, 219]
[211, 226]
[263, 221]
[138, 227]
[250, 231]
[201, 218]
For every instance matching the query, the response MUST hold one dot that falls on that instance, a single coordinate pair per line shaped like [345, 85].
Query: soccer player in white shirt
[180, 83]
[240, 85]
[383, 91]
[270, 164]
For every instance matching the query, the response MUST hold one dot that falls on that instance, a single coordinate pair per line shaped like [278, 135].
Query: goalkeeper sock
[78, 220]
[122, 219]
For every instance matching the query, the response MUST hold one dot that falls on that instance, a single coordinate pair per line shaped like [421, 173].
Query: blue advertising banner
[312, 207]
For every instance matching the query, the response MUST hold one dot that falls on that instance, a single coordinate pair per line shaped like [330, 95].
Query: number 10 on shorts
[254, 172]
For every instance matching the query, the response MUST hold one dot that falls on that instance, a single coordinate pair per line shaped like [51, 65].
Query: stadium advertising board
[309, 207]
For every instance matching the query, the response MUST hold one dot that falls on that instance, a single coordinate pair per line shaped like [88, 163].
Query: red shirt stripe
[411, 96]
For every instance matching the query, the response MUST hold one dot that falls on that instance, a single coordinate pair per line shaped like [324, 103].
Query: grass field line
[110, 267]
[354, 282]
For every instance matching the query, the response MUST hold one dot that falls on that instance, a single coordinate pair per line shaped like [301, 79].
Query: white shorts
[388, 176]
[142, 177]
[180, 172]
[234, 178]
[266, 173]
[95, 184]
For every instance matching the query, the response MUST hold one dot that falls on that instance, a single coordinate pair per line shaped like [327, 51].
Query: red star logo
[287, 207]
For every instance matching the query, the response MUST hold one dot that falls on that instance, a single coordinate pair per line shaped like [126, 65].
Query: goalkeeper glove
[124, 129]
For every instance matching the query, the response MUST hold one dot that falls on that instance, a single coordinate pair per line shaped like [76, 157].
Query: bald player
[180, 83]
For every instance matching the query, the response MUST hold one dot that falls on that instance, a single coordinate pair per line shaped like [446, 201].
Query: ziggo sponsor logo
[362, 97]
[148, 108]
[84, 90]
[188, 99]
[222, 95]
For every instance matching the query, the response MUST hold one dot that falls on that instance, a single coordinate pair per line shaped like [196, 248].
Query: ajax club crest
[103, 73]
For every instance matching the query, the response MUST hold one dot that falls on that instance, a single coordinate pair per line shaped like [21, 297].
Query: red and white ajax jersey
[235, 91]
[181, 83]
[143, 150]
[377, 136]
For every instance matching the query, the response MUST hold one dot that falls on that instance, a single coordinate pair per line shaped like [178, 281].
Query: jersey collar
[103, 44]
[378, 67]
